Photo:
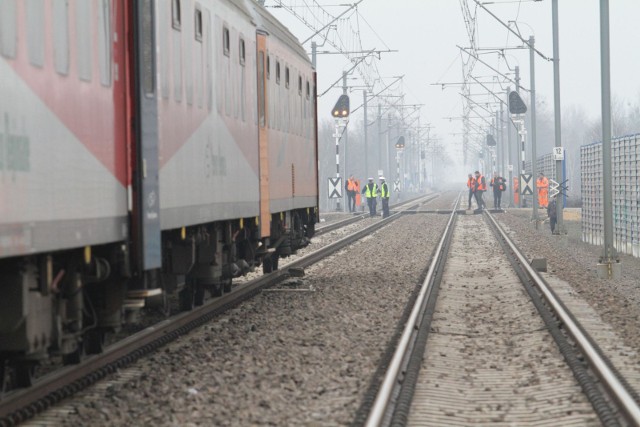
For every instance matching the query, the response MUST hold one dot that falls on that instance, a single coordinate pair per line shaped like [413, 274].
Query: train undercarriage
[65, 303]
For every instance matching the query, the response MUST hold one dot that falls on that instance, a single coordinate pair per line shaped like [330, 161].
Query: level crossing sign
[335, 188]
[396, 186]
[553, 188]
[526, 184]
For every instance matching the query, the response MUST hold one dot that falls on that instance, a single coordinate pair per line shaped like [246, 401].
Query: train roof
[265, 21]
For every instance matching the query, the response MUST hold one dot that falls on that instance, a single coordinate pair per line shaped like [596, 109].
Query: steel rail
[21, 405]
[393, 377]
[626, 403]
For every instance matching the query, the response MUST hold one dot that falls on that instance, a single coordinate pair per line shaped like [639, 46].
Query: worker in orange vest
[358, 196]
[350, 186]
[516, 191]
[481, 187]
[542, 184]
[471, 185]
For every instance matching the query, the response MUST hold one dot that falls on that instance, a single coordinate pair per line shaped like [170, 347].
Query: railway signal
[341, 109]
[516, 104]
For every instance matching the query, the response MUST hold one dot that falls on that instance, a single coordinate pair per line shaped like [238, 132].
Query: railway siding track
[490, 357]
[22, 405]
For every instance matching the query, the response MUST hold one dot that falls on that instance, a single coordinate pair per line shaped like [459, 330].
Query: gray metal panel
[282, 205]
[626, 194]
[44, 236]
[201, 214]
[147, 139]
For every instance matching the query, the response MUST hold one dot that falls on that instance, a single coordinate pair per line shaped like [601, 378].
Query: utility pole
[366, 126]
[346, 139]
[557, 119]
[520, 164]
[609, 266]
[379, 136]
[534, 158]
[510, 160]
[501, 167]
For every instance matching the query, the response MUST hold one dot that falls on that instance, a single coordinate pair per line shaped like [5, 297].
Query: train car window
[8, 30]
[261, 100]
[268, 67]
[209, 60]
[299, 85]
[277, 72]
[286, 77]
[83, 39]
[308, 90]
[104, 42]
[164, 58]
[226, 41]
[242, 52]
[146, 49]
[60, 36]
[35, 31]
[197, 32]
[176, 15]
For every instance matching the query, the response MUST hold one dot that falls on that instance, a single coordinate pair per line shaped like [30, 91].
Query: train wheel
[24, 374]
[266, 265]
[4, 381]
[94, 339]
[217, 290]
[198, 296]
[270, 263]
[186, 298]
[227, 285]
[74, 357]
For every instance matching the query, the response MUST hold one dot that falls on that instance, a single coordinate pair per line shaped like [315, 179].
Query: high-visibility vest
[481, 186]
[371, 190]
[542, 182]
[351, 186]
[471, 183]
[385, 190]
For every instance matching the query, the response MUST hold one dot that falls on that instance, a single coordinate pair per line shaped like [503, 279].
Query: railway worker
[358, 195]
[552, 212]
[542, 184]
[498, 185]
[471, 185]
[384, 195]
[516, 191]
[350, 186]
[370, 191]
[480, 188]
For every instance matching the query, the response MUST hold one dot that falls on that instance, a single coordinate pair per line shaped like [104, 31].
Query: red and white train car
[145, 147]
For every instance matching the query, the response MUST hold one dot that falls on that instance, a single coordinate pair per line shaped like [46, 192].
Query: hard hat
[382, 178]
[370, 179]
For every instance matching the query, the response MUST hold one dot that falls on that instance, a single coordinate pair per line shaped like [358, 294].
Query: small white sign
[335, 188]
[558, 153]
[380, 172]
[526, 184]
[510, 168]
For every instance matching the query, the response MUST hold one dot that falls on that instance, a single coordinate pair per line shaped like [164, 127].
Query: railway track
[489, 342]
[21, 405]
[357, 217]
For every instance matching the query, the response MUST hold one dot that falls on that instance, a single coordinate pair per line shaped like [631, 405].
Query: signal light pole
[340, 113]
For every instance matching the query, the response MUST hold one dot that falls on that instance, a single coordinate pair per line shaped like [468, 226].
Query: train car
[64, 144]
[232, 190]
[145, 148]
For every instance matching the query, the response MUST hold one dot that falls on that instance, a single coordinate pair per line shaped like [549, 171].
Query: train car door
[145, 163]
[263, 134]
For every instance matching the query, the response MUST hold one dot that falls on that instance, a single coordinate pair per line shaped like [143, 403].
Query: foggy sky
[426, 33]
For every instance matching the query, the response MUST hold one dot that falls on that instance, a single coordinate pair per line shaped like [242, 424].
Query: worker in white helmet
[370, 191]
[384, 195]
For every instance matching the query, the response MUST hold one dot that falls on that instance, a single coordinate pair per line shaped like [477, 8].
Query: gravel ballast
[303, 355]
